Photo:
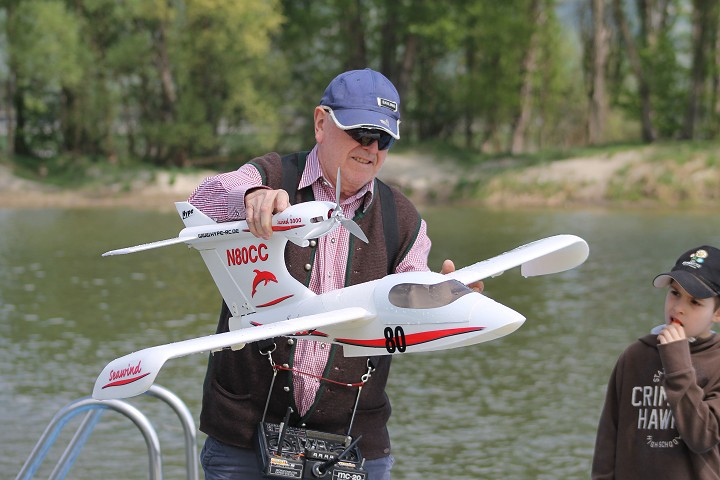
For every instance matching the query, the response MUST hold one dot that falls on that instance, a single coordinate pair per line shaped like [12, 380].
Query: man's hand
[260, 205]
[671, 333]
[448, 266]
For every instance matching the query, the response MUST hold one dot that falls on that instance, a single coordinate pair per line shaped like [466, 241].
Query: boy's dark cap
[697, 271]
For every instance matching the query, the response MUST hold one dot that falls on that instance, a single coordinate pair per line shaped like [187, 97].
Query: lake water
[521, 407]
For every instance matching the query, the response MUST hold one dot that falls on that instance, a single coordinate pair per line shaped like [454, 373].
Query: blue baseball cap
[363, 99]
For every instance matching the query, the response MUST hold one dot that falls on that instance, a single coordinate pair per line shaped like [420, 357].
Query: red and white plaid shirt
[222, 197]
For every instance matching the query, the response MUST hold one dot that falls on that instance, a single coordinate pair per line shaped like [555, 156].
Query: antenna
[320, 470]
[283, 429]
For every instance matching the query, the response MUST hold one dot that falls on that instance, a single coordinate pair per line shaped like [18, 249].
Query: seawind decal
[126, 375]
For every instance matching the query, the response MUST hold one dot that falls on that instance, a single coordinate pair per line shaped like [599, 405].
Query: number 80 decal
[395, 340]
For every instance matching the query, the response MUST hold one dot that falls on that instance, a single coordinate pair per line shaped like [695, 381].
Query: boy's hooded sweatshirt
[661, 418]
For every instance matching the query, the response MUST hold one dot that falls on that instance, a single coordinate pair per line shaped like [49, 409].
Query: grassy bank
[675, 175]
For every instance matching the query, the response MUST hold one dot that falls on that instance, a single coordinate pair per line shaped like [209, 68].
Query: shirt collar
[313, 173]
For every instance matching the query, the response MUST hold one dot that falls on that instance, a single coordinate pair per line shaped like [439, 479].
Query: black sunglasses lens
[365, 140]
[366, 137]
[386, 142]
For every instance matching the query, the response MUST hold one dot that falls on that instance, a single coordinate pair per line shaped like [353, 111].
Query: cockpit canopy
[419, 295]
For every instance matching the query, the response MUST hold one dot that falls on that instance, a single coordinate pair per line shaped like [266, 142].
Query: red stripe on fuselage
[413, 338]
[283, 228]
[274, 302]
[280, 228]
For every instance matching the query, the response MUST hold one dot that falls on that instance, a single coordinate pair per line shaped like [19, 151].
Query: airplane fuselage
[408, 312]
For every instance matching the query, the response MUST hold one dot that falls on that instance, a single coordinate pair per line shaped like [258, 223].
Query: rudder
[192, 216]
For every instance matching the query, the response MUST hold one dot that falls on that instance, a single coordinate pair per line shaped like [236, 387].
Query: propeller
[338, 215]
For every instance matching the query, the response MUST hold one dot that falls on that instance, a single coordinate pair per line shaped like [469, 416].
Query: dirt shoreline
[631, 178]
[419, 176]
[158, 194]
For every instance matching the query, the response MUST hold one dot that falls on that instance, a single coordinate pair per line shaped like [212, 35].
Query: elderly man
[356, 123]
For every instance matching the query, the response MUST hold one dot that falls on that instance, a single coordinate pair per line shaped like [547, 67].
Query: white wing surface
[134, 373]
[542, 257]
[151, 245]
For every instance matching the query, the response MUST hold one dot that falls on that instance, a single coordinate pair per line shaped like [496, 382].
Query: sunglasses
[366, 137]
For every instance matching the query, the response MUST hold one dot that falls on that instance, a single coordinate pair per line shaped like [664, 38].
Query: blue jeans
[221, 461]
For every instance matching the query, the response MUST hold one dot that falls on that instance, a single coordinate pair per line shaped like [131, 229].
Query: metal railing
[94, 409]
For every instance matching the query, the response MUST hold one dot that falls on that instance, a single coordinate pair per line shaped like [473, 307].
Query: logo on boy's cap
[697, 271]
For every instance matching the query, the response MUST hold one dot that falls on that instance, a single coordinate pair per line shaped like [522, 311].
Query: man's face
[336, 149]
[695, 315]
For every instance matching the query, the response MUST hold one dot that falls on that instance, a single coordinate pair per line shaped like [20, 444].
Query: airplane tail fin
[191, 216]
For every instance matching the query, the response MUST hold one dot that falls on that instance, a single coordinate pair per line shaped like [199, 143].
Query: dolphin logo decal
[260, 277]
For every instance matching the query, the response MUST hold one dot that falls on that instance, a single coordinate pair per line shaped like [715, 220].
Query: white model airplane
[398, 314]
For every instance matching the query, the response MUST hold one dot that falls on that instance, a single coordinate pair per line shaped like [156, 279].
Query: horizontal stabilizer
[148, 246]
[541, 257]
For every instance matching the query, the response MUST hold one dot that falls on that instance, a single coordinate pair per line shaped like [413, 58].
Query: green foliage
[173, 76]
[44, 46]
[560, 101]
[182, 81]
[45, 57]
[665, 50]
[667, 83]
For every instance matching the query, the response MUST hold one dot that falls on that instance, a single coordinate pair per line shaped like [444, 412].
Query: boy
[661, 418]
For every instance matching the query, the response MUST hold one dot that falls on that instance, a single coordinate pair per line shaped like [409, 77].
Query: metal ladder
[94, 409]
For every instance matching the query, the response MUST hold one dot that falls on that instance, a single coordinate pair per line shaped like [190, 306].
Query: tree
[598, 110]
[495, 43]
[529, 65]
[655, 90]
[44, 63]
[643, 89]
[705, 22]
[203, 77]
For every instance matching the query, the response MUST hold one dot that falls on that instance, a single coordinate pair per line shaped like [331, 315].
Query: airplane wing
[134, 373]
[542, 257]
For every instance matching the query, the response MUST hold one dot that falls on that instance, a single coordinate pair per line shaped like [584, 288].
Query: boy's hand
[671, 333]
